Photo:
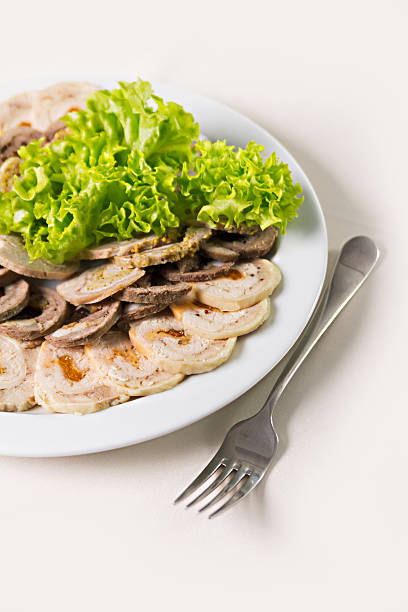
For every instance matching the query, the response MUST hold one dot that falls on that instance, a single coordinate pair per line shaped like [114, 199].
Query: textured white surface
[327, 530]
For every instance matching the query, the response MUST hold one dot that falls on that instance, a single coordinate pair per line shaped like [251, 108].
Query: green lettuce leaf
[130, 164]
[233, 187]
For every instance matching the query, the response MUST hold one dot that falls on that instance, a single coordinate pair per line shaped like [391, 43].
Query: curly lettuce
[129, 164]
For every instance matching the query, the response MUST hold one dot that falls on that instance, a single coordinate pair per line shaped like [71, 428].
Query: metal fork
[250, 445]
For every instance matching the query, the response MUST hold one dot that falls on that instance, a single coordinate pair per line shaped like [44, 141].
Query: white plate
[302, 257]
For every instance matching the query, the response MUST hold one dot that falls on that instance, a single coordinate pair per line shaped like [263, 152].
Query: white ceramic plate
[302, 257]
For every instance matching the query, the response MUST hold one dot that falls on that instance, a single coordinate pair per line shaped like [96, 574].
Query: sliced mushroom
[124, 247]
[154, 294]
[164, 340]
[96, 284]
[211, 270]
[17, 365]
[257, 245]
[14, 138]
[134, 312]
[7, 277]
[168, 253]
[65, 382]
[53, 312]
[15, 298]
[99, 319]
[14, 256]
[247, 283]
[121, 366]
[8, 170]
[211, 322]
[217, 249]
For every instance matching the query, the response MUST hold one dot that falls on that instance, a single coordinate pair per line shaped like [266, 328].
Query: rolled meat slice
[247, 283]
[164, 340]
[97, 321]
[65, 382]
[53, 312]
[120, 365]
[209, 322]
[167, 253]
[17, 366]
[96, 284]
[15, 298]
[14, 256]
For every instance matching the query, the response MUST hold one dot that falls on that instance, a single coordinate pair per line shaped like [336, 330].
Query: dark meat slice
[15, 298]
[7, 277]
[154, 294]
[14, 256]
[257, 245]
[53, 312]
[168, 253]
[217, 249]
[243, 229]
[187, 264]
[95, 321]
[133, 312]
[54, 130]
[211, 270]
[14, 138]
[126, 247]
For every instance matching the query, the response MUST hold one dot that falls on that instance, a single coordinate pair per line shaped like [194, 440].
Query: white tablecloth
[327, 530]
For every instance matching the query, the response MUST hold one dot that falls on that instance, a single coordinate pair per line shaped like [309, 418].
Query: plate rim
[262, 372]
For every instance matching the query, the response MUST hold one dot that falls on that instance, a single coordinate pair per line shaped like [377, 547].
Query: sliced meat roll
[208, 271]
[124, 247]
[210, 322]
[17, 110]
[164, 340]
[53, 312]
[97, 320]
[120, 365]
[38, 109]
[154, 294]
[14, 256]
[14, 138]
[7, 277]
[65, 382]
[169, 252]
[59, 99]
[96, 284]
[244, 285]
[15, 298]
[17, 365]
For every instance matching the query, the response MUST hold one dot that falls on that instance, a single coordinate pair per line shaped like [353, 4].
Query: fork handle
[356, 260]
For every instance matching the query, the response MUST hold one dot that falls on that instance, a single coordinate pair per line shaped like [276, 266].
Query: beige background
[327, 530]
